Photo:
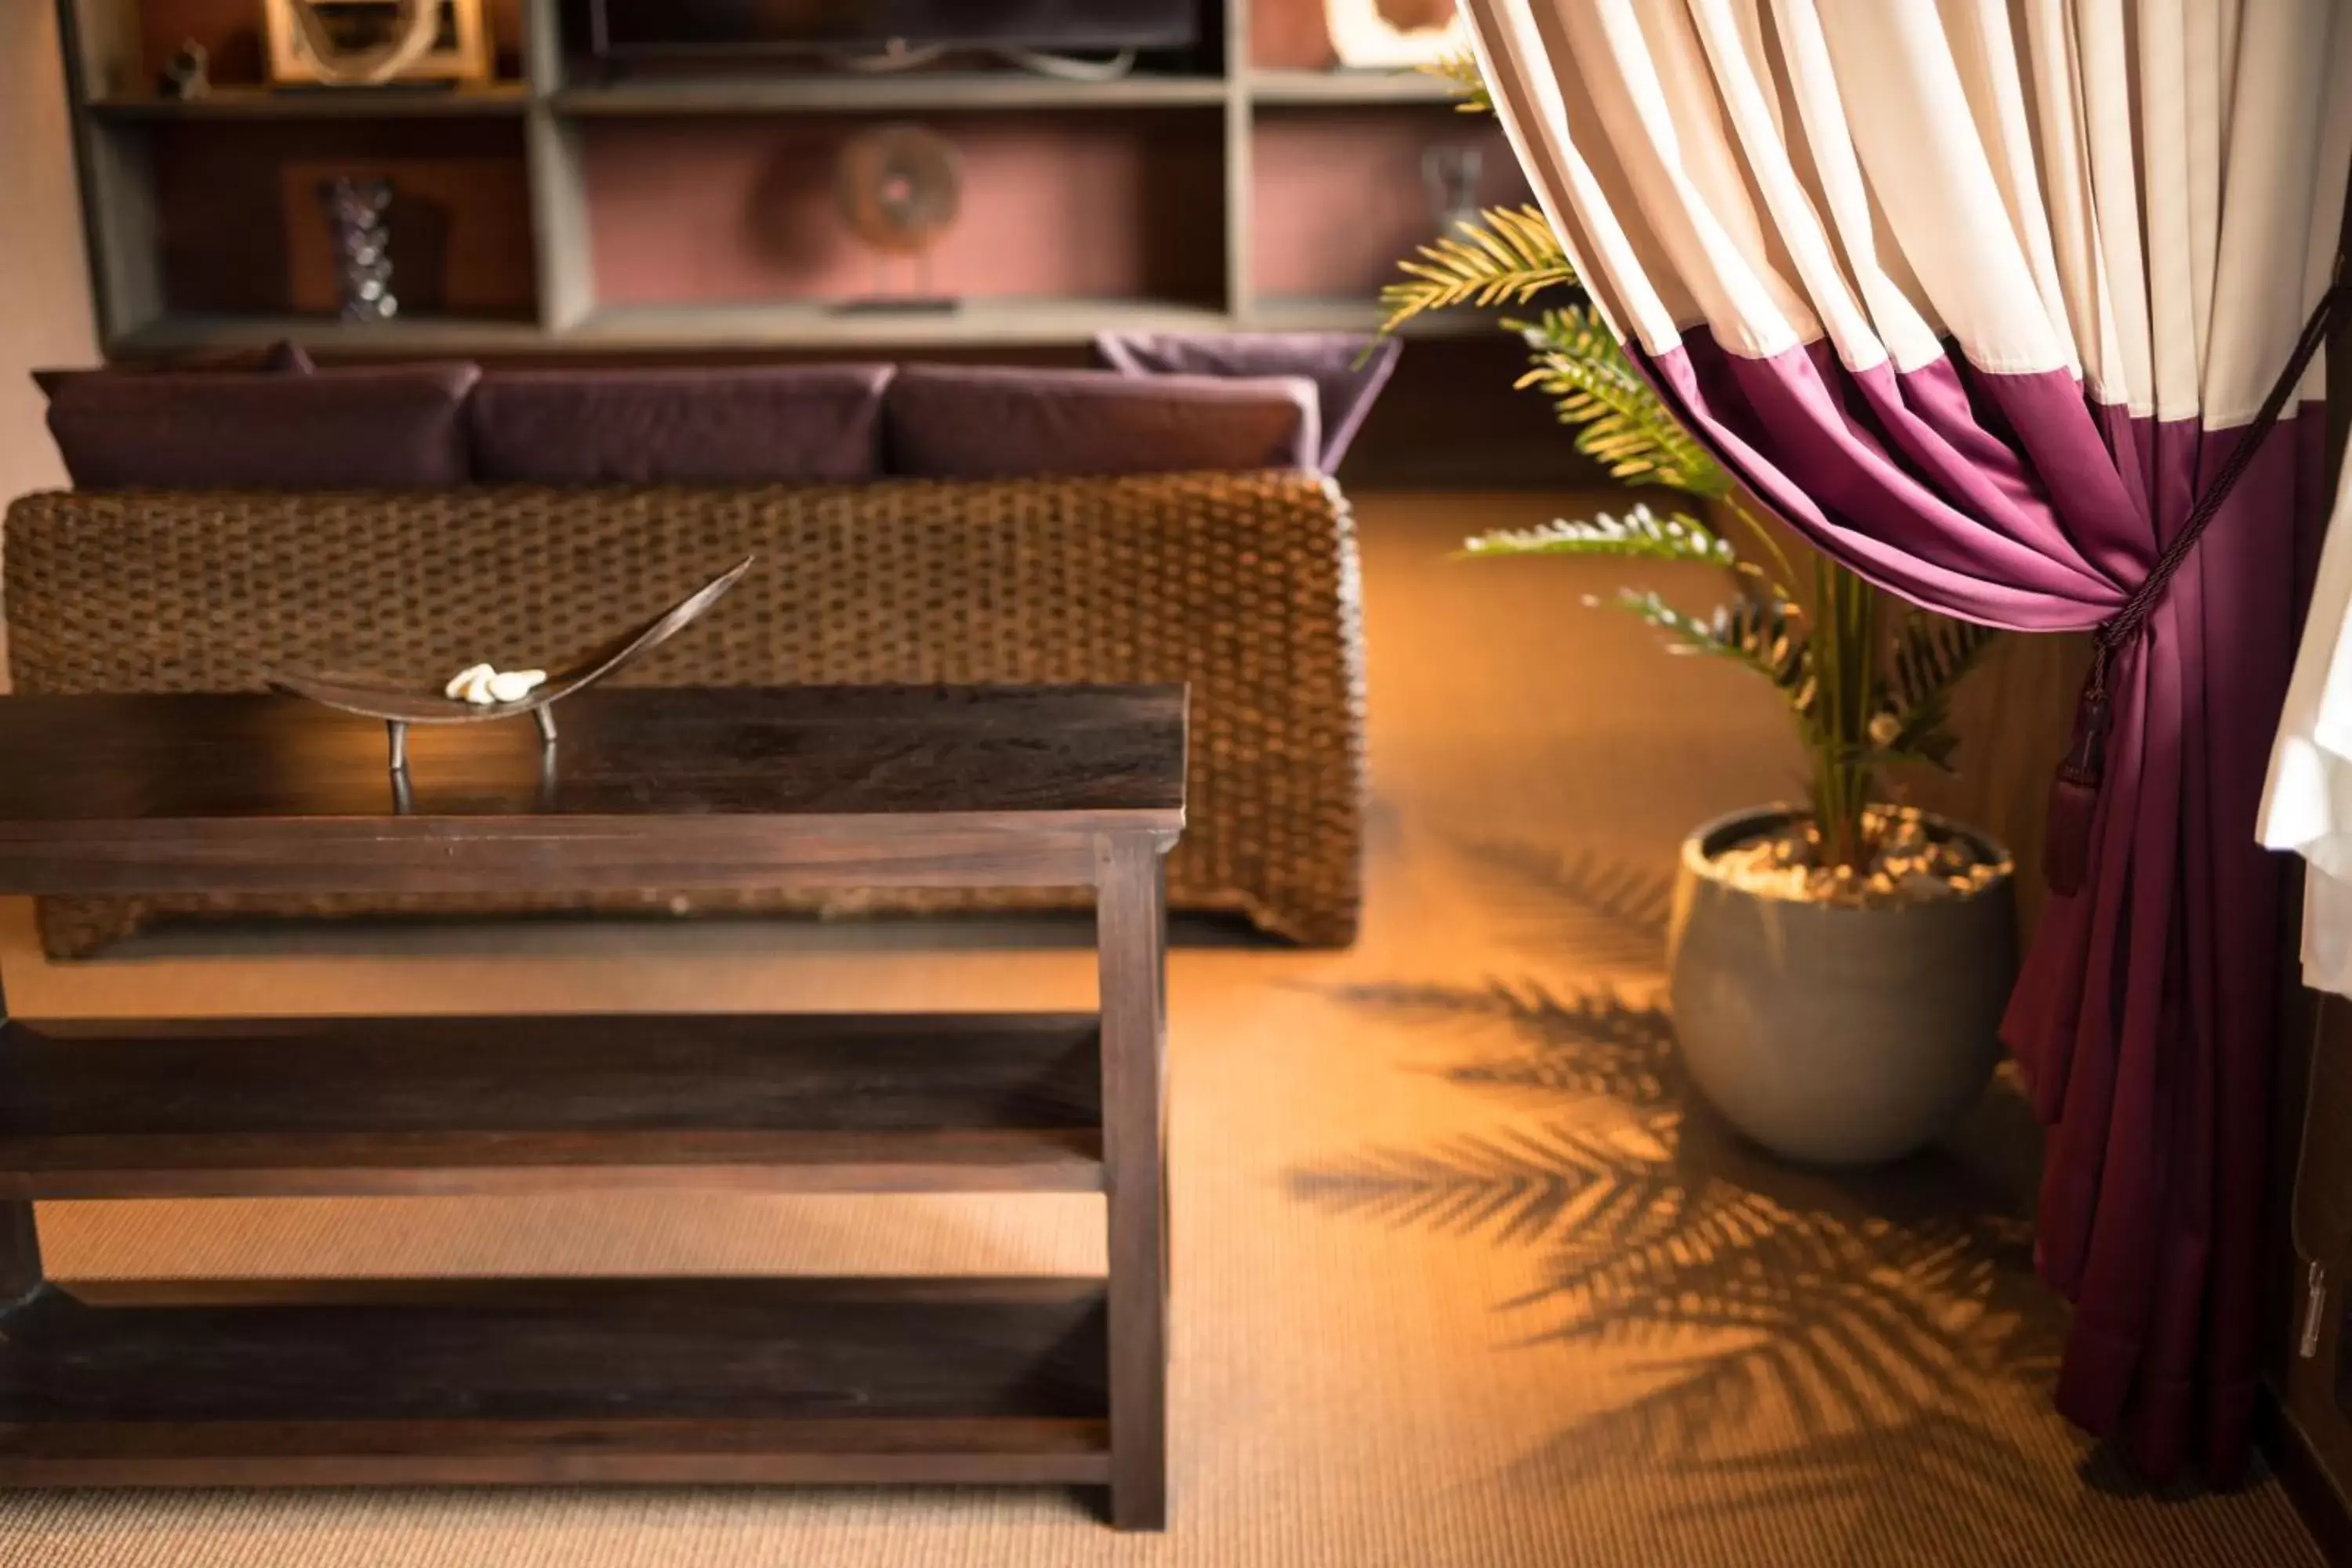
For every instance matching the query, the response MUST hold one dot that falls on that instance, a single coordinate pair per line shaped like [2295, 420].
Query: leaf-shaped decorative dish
[400, 706]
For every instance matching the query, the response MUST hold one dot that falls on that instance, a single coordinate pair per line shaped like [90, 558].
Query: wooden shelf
[321, 104]
[979, 323]
[936, 92]
[1341, 315]
[325, 1107]
[408, 336]
[982, 323]
[1304, 88]
[546, 1381]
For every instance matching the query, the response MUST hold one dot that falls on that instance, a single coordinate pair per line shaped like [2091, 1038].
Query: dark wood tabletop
[247, 793]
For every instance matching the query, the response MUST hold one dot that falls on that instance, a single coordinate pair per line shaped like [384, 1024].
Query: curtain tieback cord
[2074, 793]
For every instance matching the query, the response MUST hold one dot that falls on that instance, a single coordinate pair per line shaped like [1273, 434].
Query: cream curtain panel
[1979, 294]
[2307, 805]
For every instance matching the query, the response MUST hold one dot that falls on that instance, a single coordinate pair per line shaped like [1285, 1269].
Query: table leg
[20, 1242]
[1131, 924]
[20, 1254]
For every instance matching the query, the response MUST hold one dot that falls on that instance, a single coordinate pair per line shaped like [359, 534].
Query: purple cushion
[706, 425]
[957, 422]
[1349, 371]
[284, 357]
[390, 427]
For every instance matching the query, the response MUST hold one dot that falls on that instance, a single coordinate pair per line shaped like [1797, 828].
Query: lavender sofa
[916, 523]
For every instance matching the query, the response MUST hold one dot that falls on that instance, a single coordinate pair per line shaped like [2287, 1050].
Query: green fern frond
[1641, 534]
[1461, 72]
[1761, 633]
[1508, 259]
[1931, 655]
[1623, 422]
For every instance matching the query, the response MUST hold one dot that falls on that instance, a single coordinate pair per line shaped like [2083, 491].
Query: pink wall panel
[1339, 195]
[742, 210]
[1289, 35]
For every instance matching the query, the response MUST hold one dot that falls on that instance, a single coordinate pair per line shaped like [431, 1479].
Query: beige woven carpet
[1460, 1279]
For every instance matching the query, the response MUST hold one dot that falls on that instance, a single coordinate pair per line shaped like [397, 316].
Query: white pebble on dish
[483, 685]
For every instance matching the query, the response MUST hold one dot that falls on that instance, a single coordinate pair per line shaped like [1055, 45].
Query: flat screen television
[624, 28]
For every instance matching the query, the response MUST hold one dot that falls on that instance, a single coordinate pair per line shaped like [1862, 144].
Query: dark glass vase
[356, 210]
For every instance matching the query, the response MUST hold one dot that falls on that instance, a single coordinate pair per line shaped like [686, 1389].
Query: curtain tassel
[2074, 794]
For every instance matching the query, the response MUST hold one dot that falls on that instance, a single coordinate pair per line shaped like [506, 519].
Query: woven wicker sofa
[1241, 585]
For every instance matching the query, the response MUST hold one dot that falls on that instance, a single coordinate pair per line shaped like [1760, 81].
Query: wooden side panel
[20, 1240]
[1133, 921]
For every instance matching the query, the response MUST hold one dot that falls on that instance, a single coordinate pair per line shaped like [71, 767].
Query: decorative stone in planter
[1848, 1029]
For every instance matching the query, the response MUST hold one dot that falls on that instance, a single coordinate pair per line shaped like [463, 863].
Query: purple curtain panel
[2146, 1003]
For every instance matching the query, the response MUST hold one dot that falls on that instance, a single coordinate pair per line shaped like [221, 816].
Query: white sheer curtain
[2307, 805]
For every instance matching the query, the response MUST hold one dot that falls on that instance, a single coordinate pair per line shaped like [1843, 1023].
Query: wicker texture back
[1243, 586]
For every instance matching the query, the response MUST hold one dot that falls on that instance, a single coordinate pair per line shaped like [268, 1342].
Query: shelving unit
[757, 263]
[965, 1380]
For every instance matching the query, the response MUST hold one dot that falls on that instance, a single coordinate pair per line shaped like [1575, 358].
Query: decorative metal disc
[900, 187]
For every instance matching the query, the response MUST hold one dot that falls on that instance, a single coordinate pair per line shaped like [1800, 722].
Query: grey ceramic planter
[1835, 1035]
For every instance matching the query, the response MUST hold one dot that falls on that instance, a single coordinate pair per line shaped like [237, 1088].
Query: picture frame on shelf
[376, 43]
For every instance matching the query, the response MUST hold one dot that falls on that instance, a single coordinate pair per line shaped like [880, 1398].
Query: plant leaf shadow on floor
[1795, 1332]
[1582, 904]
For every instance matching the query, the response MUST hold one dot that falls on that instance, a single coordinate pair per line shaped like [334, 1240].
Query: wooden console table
[539, 1381]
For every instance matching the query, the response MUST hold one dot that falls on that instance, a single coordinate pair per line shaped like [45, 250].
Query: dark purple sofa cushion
[817, 422]
[1348, 370]
[388, 428]
[957, 422]
[284, 357]
[287, 357]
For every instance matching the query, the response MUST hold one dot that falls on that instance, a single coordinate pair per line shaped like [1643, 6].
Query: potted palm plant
[1837, 968]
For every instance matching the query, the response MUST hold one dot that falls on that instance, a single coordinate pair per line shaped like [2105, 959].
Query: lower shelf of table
[348, 1107]
[545, 1381]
